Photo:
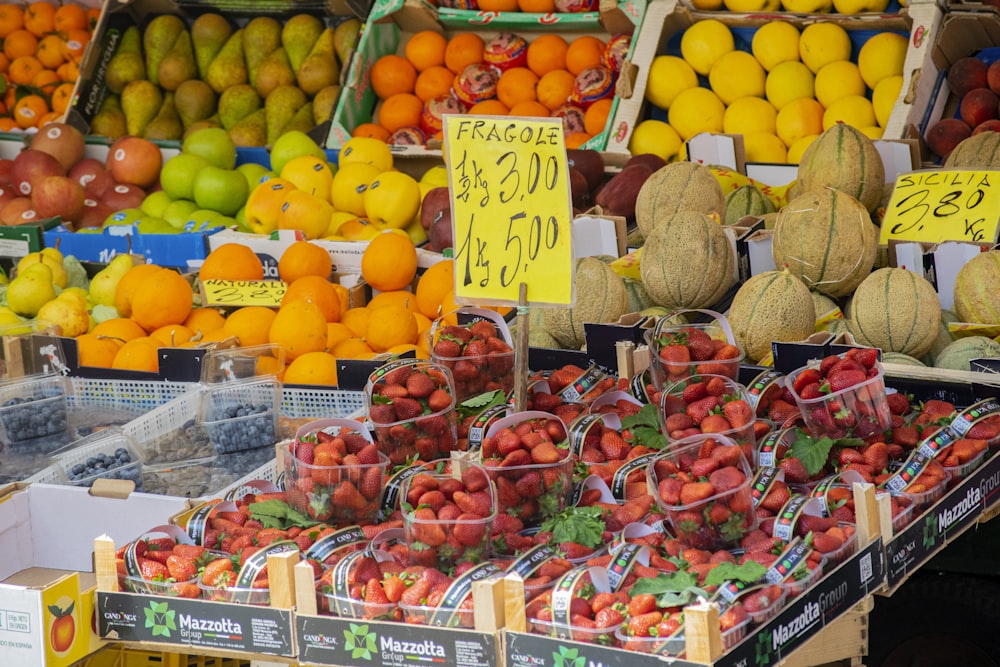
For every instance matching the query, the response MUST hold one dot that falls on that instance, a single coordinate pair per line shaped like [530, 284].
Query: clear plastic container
[957, 473]
[602, 636]
[664, 373]
[718, 521]
[33, 407]
[803, 577]
[202, 476]
[423, 615]
[260, 597]
[861, 410]
[850, 546]
[743, 435]
[184, 589]
[108, 454]
[242, 363]
[924, 499]
[776, 595]
[351, 608]
[476, 374]
[242, 415]
[677, 645]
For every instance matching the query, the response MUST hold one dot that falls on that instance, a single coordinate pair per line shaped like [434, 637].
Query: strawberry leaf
[583, 525]
[477, 404]
[671, 589]
[748, 572]
[645, 428]
[813, 452]
[279, 514]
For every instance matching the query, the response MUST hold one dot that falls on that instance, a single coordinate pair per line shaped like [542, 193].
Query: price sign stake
[238, 293]
[947, 205]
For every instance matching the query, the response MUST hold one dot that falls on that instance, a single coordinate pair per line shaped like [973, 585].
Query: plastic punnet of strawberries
[161, 566]
[363, 586]
[689, 350]
[413, 409]
[708, 404]
[479, 357]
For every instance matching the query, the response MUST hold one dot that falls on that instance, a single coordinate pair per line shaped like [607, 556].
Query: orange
[127, 286]
[74, 46]
[517, 85]
[268, 365]
[489, 108]
[433, 285]
[68, 71]
[50, 51]
[371, 130]
[356, 319]
[46, 81]
[448, 308]
[389, 262]
[584, 52]
[400, 110]
[336, 332]
[50, 117]
[4, 62]
[426, 49]
[249, 325]
[498, 5]
[97, 351]
[299, 327]
[29, 110]
[93, 15]
[8, 124]
[402, 349]
[204, 320]
[317, 291]
[70, 17]
[596, 116]
[20, 43]
[163, 298]
[304, 259]
[172, 335]
[577, 139]
[392, 74]
[423, 322]
[400, 297]
[315, 368]
[344, 295]
[546, 53]
[537, 6]
[139, 354]
[119, 328]
[61, 97]
[232, 261]
[555, 88]
[11, 19]
[40, 18]
[218, 336]
[390, 326]
[432, 82]
[353, 348]
[529, 108]
[23, 69]
[463, 49]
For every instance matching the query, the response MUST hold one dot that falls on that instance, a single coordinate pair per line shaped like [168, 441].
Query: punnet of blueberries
[26, 418]
[234, 427]
[117, 465]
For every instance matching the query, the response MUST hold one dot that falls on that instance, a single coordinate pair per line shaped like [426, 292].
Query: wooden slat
[844, 639]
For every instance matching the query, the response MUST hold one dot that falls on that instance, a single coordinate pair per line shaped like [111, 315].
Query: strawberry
[447, 348]
[475, 348]
[393, 390]
[641, 604]
[477, 503]
[375, 598]
[530, 485]
[434, 425]
[608, 618]
[726, 479]
[824, 543]
[426, 529]
[592, 455]
[795, 472]
[546, 452]
[677, 422]
[420, 385]
[898, 403]
[806, 377]
[393, 586]
[699, 344]
[866, 356]
[439, 400]
[675, 354]
[469, 530]
[669, 489]
[434, 499]
[368, 455]
[498, 345]
[703, 467]
[762, 599]
[573, 551]
[483, 330]
[844, 379]
[382, 413]
[613, 445]
[474, 479]
[507, 441]
[808, 523]
[811, 391]
[694, 392]
[192, 551]
[828, 363]
[715, 423]
[643, 624]
[218, 572]
[701, 408]
[181, 569]
[152, 570]
[848, 456]
[346, 495]
[877, 456]
[304, 451]
[694, 492]
[738, 413]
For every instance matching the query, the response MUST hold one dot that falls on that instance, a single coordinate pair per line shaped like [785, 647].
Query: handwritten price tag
[937, 206]
[511, 209]
[267, 293]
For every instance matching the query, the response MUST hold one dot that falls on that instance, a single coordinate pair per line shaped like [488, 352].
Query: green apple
[128, 216]
[291, 145]
[241, 221]
[178, 212]
[254, 173]
[154, 225]
[177, 175]
[155, 203]
[222, 190]
[204, 219]
[213, 144]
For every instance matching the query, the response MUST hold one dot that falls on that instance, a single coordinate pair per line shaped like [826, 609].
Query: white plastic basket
[131, 395]
[307, 402]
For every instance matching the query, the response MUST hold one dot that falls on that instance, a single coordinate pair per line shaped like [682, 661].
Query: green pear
[166, 125]
[324, 103]
[345, 39]
[298, 36]
[302, 120]
[275, 71]
[159, 38]
[212, 121]
[103, 285]
[236, 103]
[261, 37]
[110, 119]
[195, 101]
[178, 66]
[251, 131]
[141, 100]
[281, 105]
[31, 289]
[209, 33]
[320, 68]
[127, 64]
[228, 67]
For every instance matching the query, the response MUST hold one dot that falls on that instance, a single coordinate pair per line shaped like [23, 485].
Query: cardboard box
[391, 24]
[662, 36]
[173, 250]
[46, 533]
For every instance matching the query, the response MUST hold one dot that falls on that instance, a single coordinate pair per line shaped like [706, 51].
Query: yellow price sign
[267, 293]
[511, 209]
[948, 205]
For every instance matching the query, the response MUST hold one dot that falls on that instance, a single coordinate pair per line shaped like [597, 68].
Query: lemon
[309, 173]
[358, 229]
[884, 97]
[796, 150]
[436, 176]
[656, 137]
[366, 150]
[347, 193]
[696, 110]
[704, 43]
[392, 200]
[873, 132]
[737, 74]
[706, 5]
[838, 79]
[822, 43]
[798, 119]
[749, 114]
[855, 111]
[847, 7]
[807, 6]
[775, 43]
[668, 75]
[788, 81]
[882, 56]
[764, 147]
[753, 5]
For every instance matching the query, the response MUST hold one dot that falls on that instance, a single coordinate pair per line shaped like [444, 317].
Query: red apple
[58, 196]
[978, 106]
[123, 196]
[91, 174]
[16, 211]
[31, 165]
[94, 214]
[6, 194]
[992, 125]
[63, 142]
[434, 202]
[6, 168]
[135, 161]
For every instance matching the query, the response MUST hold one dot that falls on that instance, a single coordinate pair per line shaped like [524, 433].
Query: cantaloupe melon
[600, 297]
[944, 337]
[770, 220]
[958, 355]
[679, 186]
[977, 298]
[638, 297]
[773, 306]
[826, 238]
[980, 151]
[825, 306]
[844, 158]
[896, 310]
[840, 326]
[901, 359]
[687, 262]
[747, 200]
